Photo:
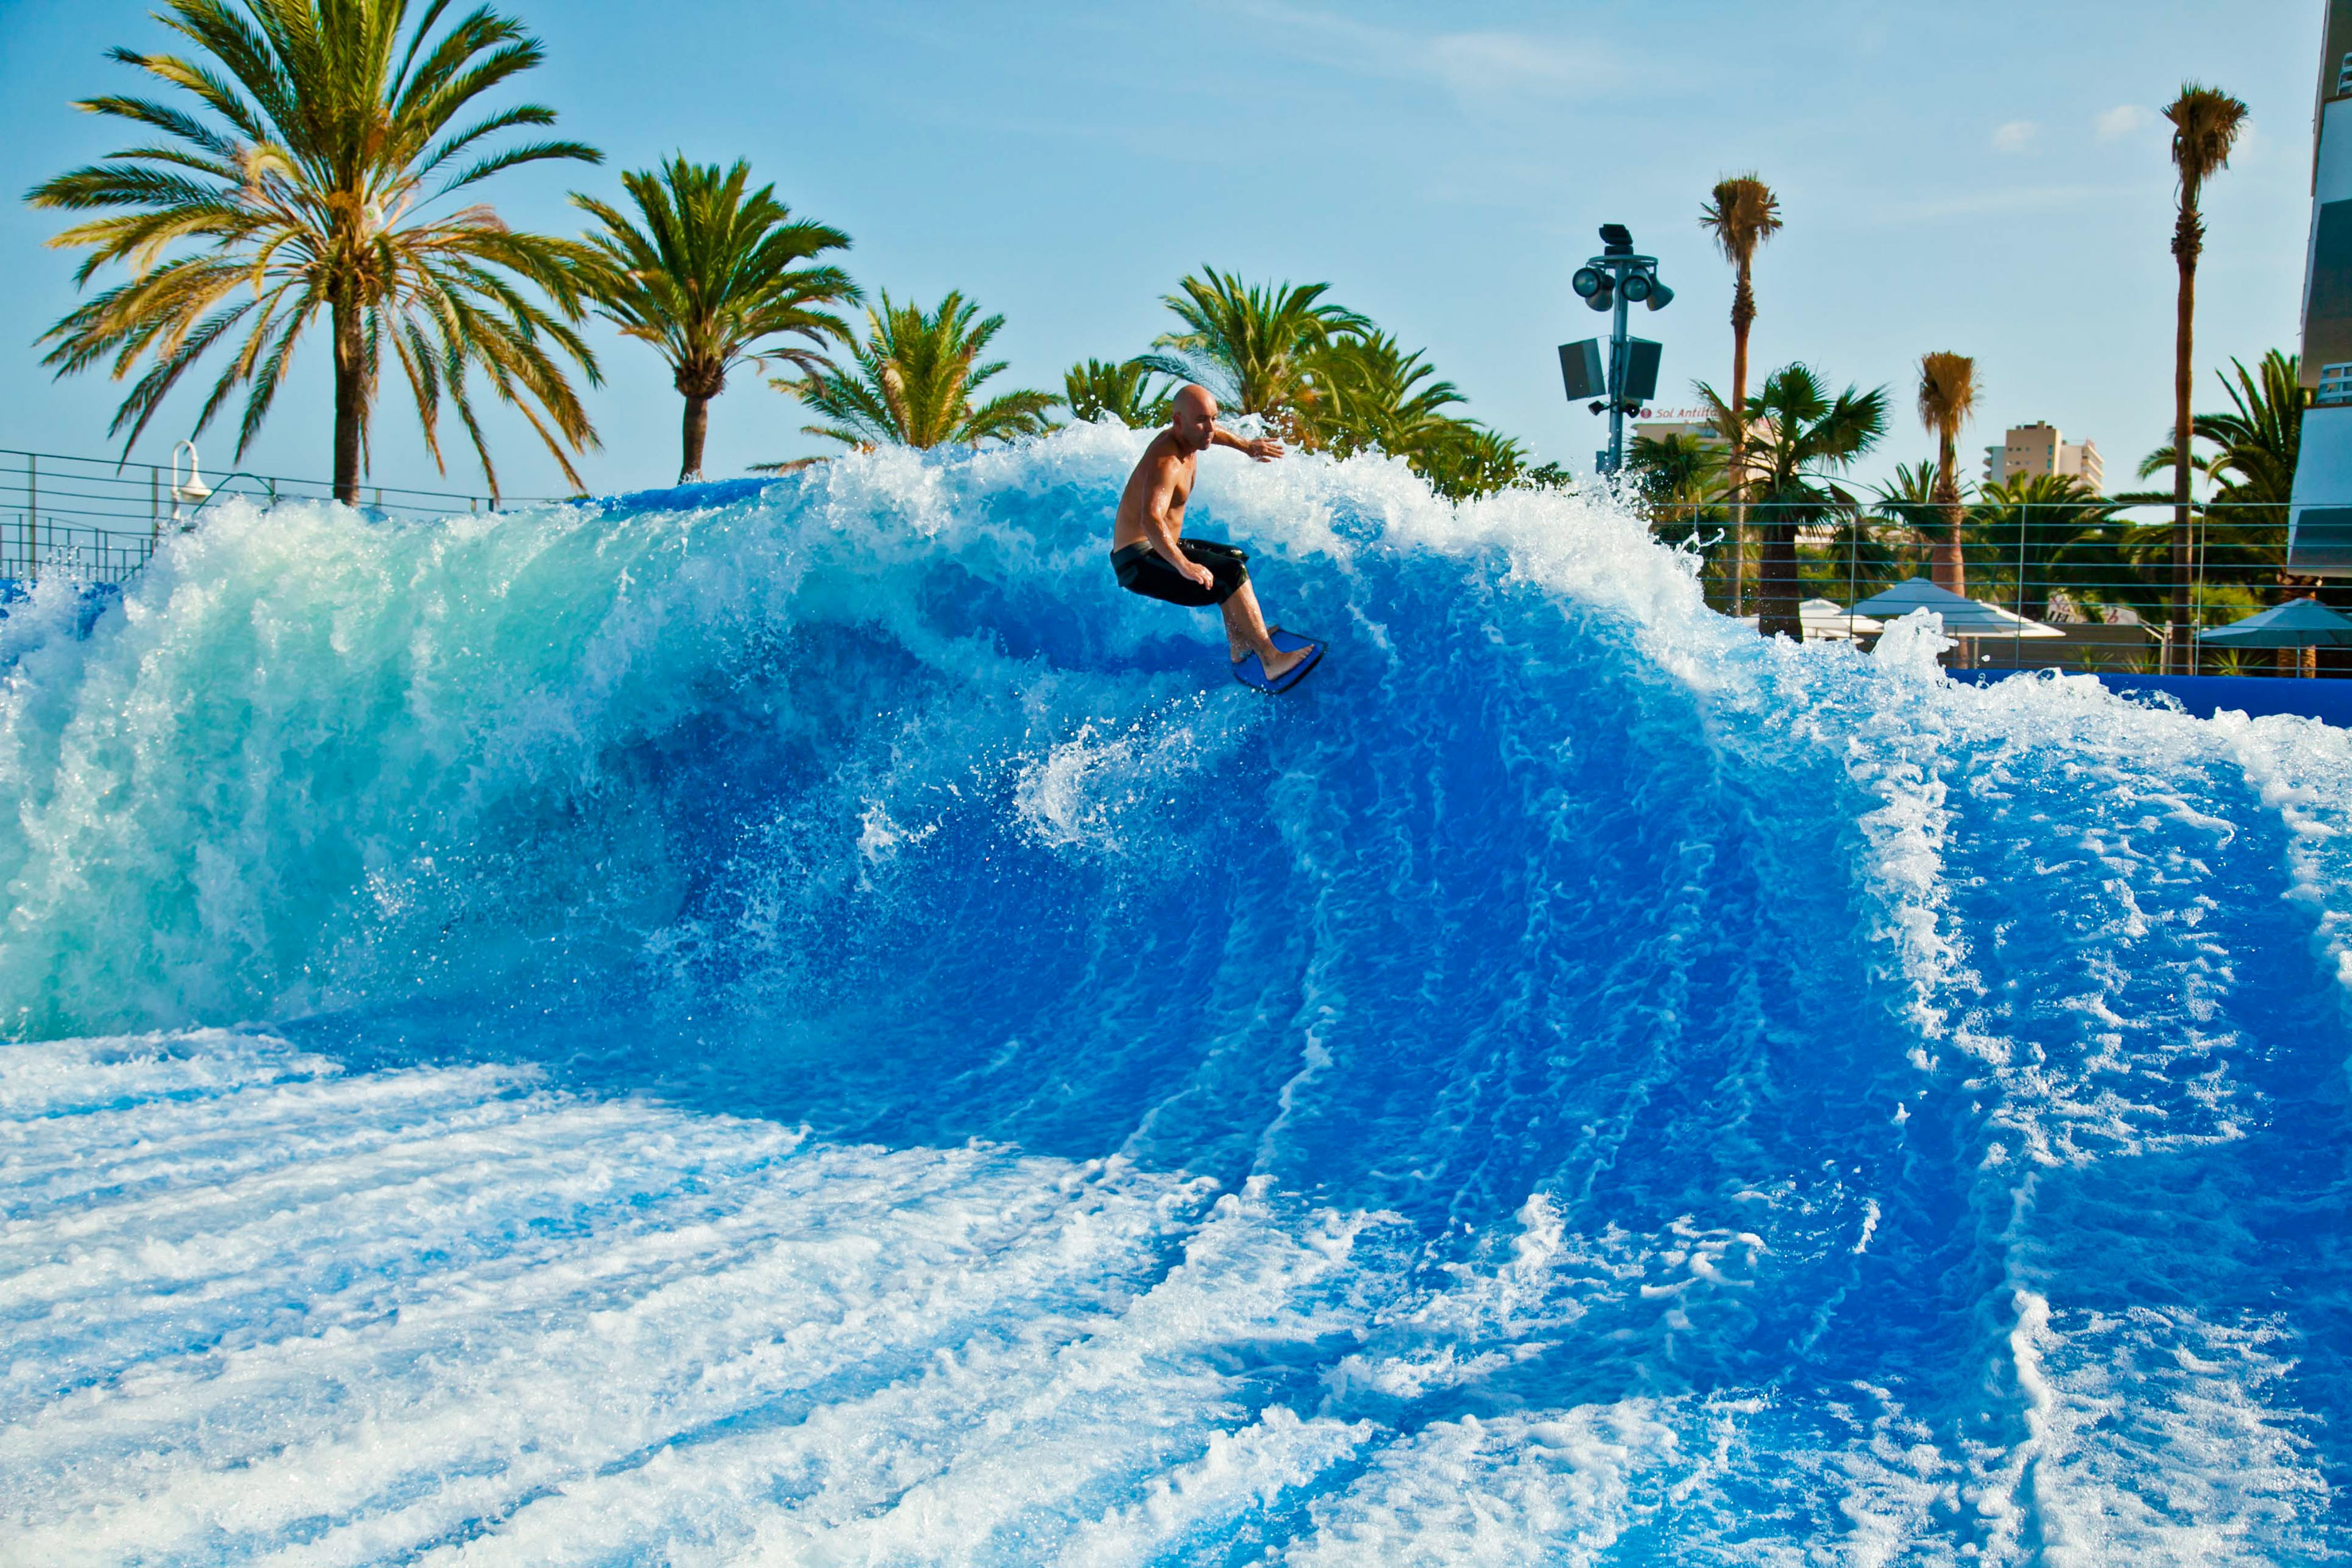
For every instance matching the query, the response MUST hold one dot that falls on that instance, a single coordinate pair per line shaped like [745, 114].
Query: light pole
[1616, 280]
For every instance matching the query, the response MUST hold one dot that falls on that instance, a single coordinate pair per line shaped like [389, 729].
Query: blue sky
[1989, 178]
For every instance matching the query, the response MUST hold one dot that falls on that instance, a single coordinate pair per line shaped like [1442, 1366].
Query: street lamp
[1615, 281]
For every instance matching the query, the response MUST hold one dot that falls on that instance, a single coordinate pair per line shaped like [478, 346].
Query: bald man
[1151, 554]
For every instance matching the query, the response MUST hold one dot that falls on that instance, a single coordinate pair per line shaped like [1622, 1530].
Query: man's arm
[1265, 448]
[1162, 533]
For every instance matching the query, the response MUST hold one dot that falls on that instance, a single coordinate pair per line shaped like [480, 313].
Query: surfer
[1151, 557]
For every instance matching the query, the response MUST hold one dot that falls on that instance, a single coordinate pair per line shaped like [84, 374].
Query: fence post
[32, 517]
[154, 502]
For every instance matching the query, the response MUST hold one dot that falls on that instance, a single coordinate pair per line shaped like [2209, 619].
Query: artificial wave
[806, 1026]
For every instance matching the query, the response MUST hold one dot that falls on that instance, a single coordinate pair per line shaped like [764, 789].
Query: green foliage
[308, 175]
[713, 276]
[2038, 532]
[1123, 391]
[1796, 433]
[2256, 445]
[1249, 345]
[1463, 459]
[1365, 393]
[911, 382]
[1677, 475]
[1681, 483]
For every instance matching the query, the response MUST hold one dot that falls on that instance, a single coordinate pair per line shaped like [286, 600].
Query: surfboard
[1251, 672]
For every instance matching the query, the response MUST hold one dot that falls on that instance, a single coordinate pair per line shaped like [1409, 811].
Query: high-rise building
[2038, 448]
[2319, 518]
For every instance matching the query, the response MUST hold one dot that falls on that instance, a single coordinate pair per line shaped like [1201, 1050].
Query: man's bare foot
[1282, 663]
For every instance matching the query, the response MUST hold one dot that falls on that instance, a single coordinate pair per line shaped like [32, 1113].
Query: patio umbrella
[1827, 621]
[2297, 623]
[1962, 617]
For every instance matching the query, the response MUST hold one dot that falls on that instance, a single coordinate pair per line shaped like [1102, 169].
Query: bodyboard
[1250, 671]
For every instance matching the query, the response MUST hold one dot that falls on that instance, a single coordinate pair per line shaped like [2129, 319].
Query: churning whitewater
[798, 1023]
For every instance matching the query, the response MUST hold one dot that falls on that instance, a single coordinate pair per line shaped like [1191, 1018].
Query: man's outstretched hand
[1265, 448]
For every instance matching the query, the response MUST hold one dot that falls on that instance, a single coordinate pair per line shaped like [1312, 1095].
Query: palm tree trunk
[697, 425]
[1952, 567]
[350, 401]
[2187, 238]
[1776, 582]
[1743, 316]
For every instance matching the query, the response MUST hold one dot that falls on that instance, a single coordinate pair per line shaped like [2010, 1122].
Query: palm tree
[1248, 345]
[2044, 532]
[2206, 123]
[309, 173]
[1948, 395]
[1124, 391]
[1906, 510]
[1365, 391]
[1803, 432]
[1462, 459]
[2256, 446]
[912, 380]
[712, 278]
[1741, 214]
[1680, 483]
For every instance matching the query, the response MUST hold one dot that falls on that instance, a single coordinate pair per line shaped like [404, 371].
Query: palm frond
[911, 381]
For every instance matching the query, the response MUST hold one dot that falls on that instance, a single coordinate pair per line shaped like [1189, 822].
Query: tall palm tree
[2206, 123]
[1250, 345]
[911, 382]
[713, 277]
[1803, 434]
[1123, 391]
[310, 174]
[1948, 395]
[1740, 214]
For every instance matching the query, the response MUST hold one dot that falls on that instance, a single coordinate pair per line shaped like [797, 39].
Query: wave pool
[813, 1029]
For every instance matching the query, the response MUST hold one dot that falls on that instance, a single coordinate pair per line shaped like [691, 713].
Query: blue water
[810, 1028]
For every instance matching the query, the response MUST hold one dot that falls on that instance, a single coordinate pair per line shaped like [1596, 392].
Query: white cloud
[2015, 136]
[1482, 62]
[1473, 66]
[2115, 124]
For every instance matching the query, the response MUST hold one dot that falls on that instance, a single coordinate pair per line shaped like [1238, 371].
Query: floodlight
[1586, 282]
[1637, 287]
[1660, 295]
[1605, 300]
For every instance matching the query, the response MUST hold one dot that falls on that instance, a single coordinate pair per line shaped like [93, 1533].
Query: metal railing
[2101, 574]
[95, 520]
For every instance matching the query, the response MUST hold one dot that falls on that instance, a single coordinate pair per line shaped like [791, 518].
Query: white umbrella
[1827, 621]
[1962, 617]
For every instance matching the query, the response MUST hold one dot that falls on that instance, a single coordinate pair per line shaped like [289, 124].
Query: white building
[2319, 517]
[2039, 448]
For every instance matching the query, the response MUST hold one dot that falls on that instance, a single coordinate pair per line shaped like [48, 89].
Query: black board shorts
[1142, 570]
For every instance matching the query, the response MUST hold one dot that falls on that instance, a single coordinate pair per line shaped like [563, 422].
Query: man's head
[1196, 417]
